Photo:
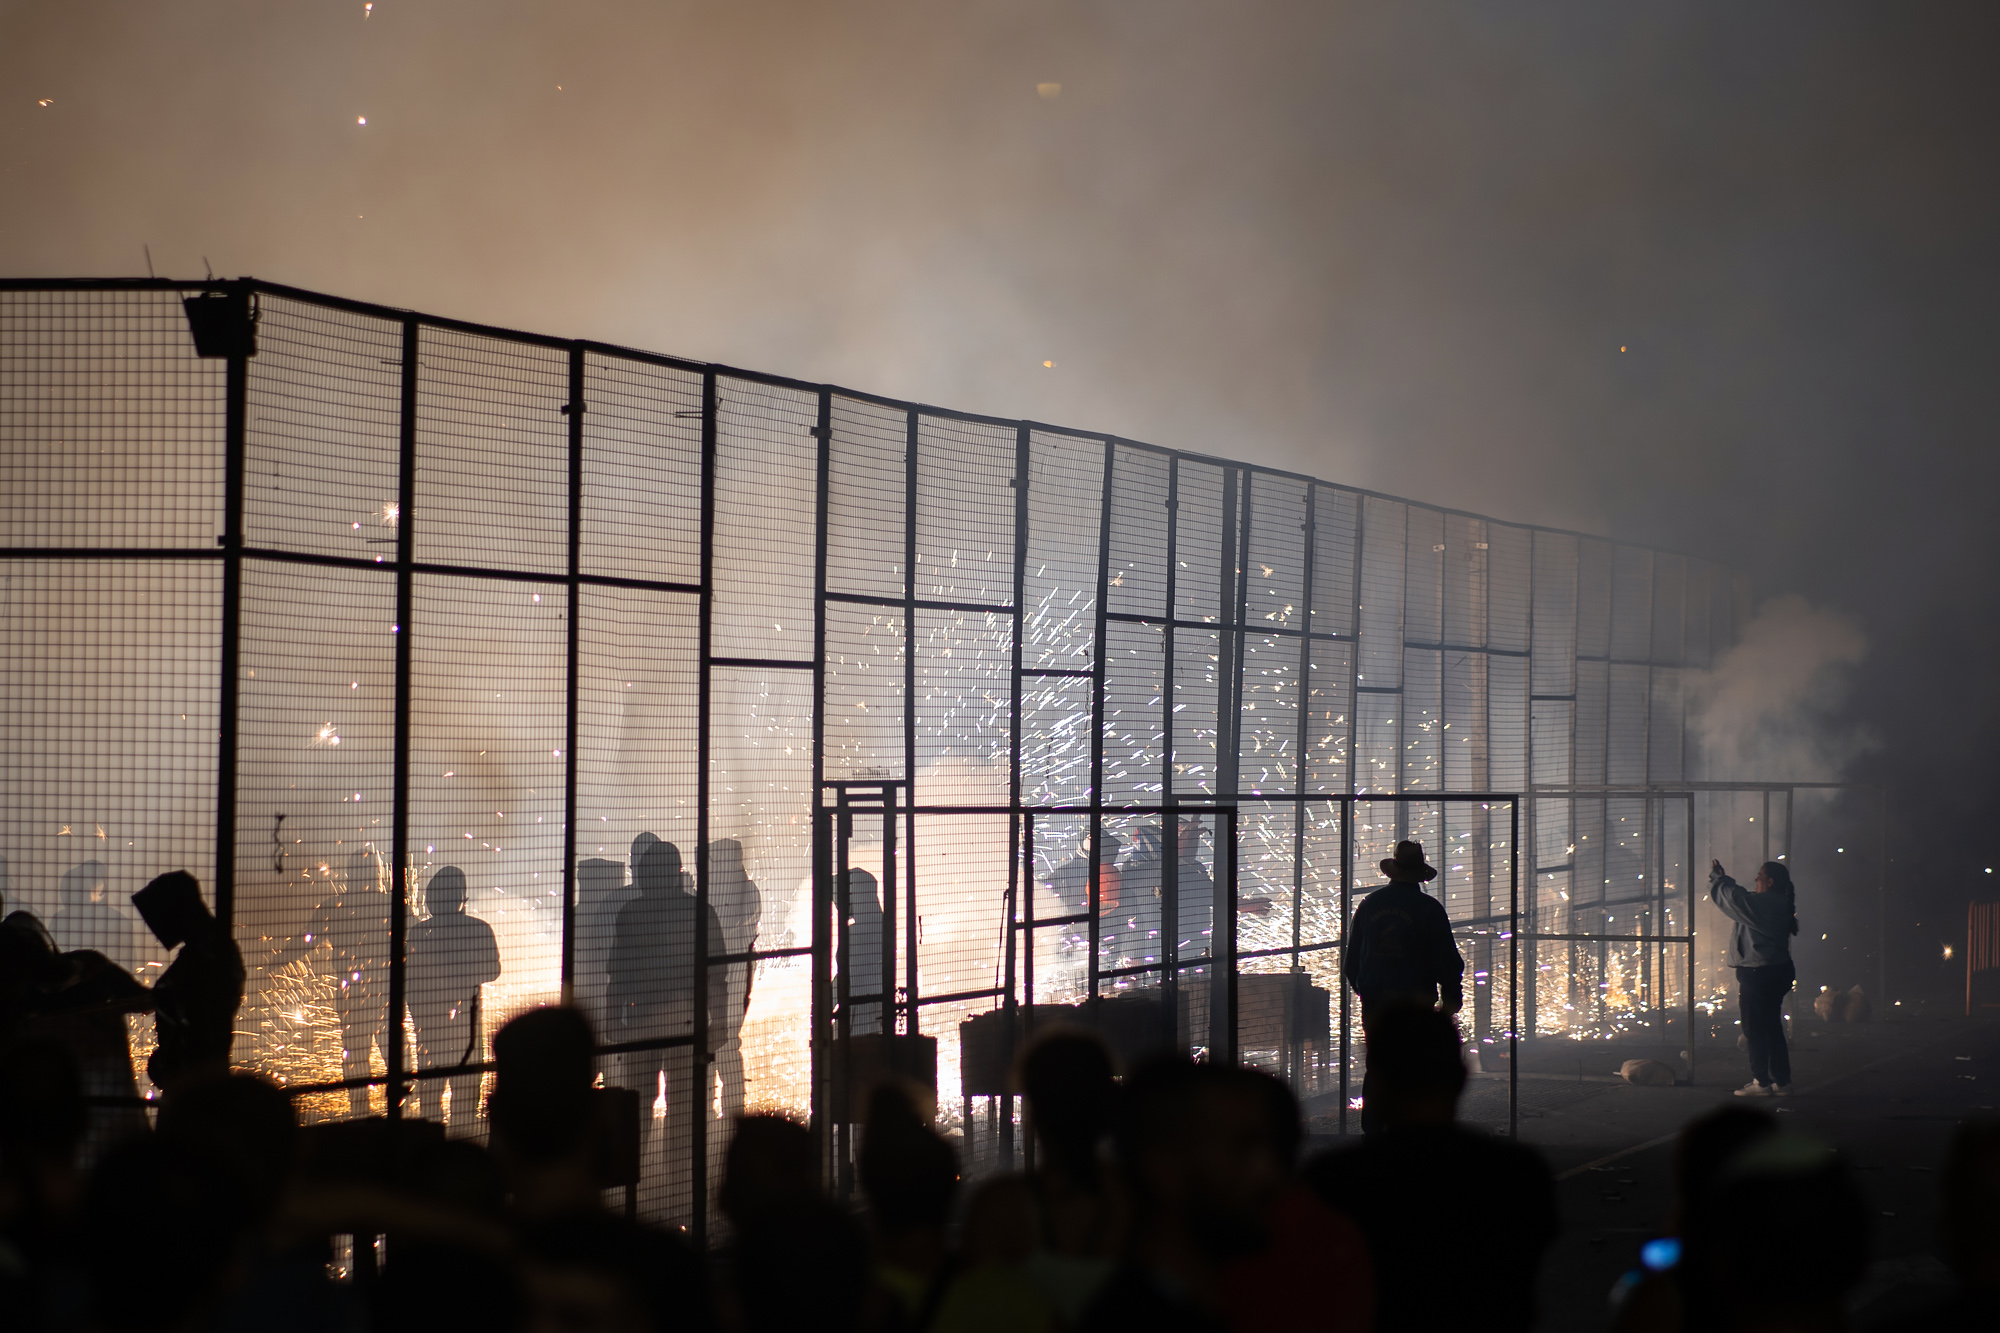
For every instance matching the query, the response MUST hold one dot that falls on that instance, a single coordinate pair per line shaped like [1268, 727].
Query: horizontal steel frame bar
[613, 351]
[1610, 939]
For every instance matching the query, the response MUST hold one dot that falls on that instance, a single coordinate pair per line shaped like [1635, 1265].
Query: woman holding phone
[1760, 950]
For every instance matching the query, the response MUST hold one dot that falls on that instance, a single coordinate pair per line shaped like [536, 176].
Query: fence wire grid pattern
[470, 669]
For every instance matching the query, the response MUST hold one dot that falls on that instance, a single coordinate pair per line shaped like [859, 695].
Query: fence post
[236, 386]
[396, 1057]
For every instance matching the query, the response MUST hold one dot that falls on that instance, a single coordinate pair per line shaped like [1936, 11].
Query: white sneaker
[1755, 1089]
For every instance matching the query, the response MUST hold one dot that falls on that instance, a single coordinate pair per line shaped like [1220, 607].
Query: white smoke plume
[1769, 710]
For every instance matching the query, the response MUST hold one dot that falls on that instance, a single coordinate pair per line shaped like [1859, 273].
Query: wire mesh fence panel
[1142, 514]
[1196, 715]
[761, 798]
[487, 814]
[959, 869]
[964, 512]
[641, 470]
[1060, 565]
[1134, 730]
[321, 444]
[492, 463]
[638, 700]
[315, 816]
[766, 487]
[111, 430]
[1258, 636]
[963, 704]
[1268, 724]
[864, 663]
[1203, 540]
[1422, 720]
[1055, 740]
[867, 485]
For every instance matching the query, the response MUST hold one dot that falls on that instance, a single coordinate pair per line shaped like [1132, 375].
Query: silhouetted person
[196, 998]
[588, 1267]
[738, 908]
[1656, 1298]
[1139, 885]
[1304, 1235]
[1411, 1187]
[1760, 950]
[910, 1176]
[452, 955]
[770, 1167]
[163, 1228]
[652, 992]
[354, 926]
[794, 1260]
[601, 893]
[41, 1123]
[1401, 952]
[1781, 1240]
[87, 916]
[861, 962]
[1969, 1229]
[1205, 1169]
[1064, 1223]
[77, 1000]
[1196, 891]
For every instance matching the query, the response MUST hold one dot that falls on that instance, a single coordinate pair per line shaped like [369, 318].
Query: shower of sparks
[46, 101]
[326, 735]
[388, 514]
[367, 10]
[361, 120]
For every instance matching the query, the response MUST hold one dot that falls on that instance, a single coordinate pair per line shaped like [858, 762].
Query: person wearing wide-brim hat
[1400, 950]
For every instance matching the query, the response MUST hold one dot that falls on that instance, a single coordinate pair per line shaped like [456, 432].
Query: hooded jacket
[1762, 937]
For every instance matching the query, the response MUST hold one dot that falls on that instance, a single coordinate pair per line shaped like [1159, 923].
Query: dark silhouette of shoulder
[1415, 1192]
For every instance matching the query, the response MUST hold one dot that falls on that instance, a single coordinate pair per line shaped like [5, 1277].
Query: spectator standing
[353, 924]
[1401, 952]
[452, 956]
[196, 998]
[1766, 917]
[1410, 1187]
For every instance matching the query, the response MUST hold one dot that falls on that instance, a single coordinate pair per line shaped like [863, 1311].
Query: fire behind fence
[470, 669]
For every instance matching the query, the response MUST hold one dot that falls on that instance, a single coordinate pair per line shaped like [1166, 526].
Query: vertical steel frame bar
[699, 1057]
[236, 393]
[574, 411]
[1514, 968]
[396, 1056]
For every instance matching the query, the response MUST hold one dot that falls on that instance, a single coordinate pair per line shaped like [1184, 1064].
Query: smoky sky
[1715, 278]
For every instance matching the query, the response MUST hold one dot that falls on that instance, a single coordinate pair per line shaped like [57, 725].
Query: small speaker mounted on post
[224, 323]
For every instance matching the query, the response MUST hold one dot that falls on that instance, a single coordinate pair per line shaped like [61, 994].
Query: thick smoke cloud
[1717, 280]
[1774, 703]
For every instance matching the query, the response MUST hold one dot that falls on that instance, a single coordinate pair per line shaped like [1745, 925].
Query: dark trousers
[1760, 998]
[1371, 1117]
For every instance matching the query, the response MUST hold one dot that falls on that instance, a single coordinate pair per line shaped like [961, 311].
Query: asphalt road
[1887, 1094]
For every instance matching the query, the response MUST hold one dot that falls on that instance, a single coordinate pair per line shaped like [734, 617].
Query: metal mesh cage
[790, 733]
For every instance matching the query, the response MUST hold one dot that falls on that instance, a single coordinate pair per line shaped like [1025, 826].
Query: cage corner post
[236, 394]
[700, 1071]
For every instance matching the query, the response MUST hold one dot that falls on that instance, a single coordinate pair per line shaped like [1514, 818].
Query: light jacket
[1762, 937]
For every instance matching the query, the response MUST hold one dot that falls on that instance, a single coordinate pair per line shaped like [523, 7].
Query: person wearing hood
[196, 998]
[1760, 950]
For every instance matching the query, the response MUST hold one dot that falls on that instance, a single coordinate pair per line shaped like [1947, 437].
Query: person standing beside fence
[452, 956]
[354, 926]
[1766, 917]
[1400, 951]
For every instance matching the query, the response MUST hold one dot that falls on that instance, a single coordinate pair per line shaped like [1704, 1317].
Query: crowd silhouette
[1163, 1195]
